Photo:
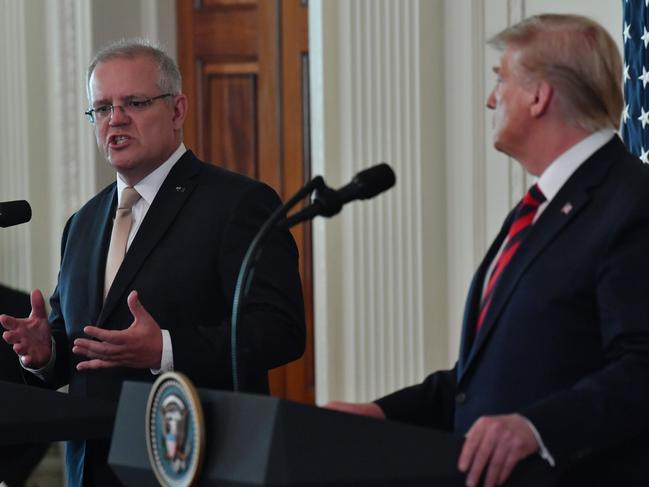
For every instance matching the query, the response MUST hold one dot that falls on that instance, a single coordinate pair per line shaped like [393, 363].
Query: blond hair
[578, 57]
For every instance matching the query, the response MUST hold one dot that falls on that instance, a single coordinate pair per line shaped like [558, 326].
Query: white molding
[15, 254]
[380, 312]
[71, 145]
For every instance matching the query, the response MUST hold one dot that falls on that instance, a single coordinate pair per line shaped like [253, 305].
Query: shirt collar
[149, 186]
[558, 172]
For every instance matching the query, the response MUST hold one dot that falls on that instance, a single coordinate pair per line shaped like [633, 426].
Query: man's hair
[578, 57]
[169, 80]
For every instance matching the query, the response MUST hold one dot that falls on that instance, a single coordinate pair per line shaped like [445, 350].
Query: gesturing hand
[139, 346]
[31, 337]
[499, 442]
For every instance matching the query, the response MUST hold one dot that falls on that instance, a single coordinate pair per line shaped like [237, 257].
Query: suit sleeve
[272, 329]
[430, 404]
[611, 404]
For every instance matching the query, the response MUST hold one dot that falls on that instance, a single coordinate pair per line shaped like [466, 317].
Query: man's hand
[139, 346]
[364, 409]
[31, 337]
[499, 442]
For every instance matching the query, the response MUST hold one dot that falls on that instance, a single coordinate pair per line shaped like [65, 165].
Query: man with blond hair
[554, 358]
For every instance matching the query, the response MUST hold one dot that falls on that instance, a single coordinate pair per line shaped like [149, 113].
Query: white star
[644, 117]
[645, 36]
[644, 155]
[626, 72]
[644, 77]
[627, 32]
[625, 112]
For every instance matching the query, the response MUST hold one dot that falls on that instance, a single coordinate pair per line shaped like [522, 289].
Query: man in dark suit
[167, 306]
[554, 358]
[16, 464]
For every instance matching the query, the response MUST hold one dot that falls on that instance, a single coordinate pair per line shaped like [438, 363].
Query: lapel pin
[567, 208]
[180, 189]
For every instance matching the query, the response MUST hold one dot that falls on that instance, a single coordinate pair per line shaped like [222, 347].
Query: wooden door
[245, 70]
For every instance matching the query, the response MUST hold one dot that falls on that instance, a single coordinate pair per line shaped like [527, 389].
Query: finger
[110, 336]
[94, 349]
[9, 322]
[95, 364]
[11, 337]
[480, 460]
[496, 465]
[510, 462]
[38, 305]
[134, 305]
[471, 443]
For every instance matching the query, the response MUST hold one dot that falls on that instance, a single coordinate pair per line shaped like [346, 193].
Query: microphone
[328, 202]
[14, 213]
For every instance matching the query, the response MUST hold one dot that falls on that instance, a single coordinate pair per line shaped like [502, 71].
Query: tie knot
[534, 196]
[128, 198]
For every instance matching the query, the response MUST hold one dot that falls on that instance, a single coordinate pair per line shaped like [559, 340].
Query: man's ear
[543, 93]
[180, 111]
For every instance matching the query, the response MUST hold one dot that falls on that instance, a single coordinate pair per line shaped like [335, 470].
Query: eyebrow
[106, 101]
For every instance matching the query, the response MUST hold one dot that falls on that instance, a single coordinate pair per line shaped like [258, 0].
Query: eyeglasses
[130, 105]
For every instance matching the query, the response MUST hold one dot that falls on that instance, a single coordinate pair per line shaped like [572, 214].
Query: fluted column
[15, 250]
[380, 266]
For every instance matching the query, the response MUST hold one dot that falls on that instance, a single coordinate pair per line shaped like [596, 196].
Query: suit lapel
[564, 207]
[472, 306]
[169, 200]
[99, 250]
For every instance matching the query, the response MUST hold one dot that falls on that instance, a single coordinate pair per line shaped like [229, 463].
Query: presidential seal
[175, 431]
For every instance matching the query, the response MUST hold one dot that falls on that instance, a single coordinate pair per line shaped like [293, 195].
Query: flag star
[627, 32]
[644, 77]
[625, 112]
[626, 72]
[644, 117]
[645, 36]
[644, 155]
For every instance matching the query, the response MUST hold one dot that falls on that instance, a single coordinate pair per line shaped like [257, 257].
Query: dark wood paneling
[244, 65]
[231, 122]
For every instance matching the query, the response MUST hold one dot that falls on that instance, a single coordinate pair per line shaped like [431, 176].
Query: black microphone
[14, 213]
[328, 202]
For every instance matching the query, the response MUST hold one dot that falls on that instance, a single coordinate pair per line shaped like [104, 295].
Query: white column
[380, 268]
[71, 147]
[15, 250]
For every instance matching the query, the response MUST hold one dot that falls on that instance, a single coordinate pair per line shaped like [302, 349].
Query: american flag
[635, 117]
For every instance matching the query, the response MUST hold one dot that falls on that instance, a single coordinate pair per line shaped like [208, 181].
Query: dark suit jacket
[566, 339]
[184, 263]
[16, 462]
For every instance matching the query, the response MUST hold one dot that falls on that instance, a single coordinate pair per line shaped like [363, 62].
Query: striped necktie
[520, 227]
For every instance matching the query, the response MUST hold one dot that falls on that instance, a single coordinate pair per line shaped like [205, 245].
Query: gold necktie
[119, 235]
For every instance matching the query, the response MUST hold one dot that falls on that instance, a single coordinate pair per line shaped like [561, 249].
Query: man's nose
[118, 115]
[491, 99]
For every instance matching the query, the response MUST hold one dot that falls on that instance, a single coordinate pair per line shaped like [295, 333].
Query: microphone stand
[250, 259]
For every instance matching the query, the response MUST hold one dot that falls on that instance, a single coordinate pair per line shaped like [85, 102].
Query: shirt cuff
[167, 359]
[45, 372]
[543, 451]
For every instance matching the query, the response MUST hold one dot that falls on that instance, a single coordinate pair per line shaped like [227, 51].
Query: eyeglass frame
[90, 113]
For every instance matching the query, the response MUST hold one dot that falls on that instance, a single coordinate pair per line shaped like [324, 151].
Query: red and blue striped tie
[520, 227]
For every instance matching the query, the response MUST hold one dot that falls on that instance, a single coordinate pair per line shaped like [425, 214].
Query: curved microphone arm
[249, 261]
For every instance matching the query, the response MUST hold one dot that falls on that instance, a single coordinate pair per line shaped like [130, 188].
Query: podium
[258, 440]
[253, 441]
[34, 415]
